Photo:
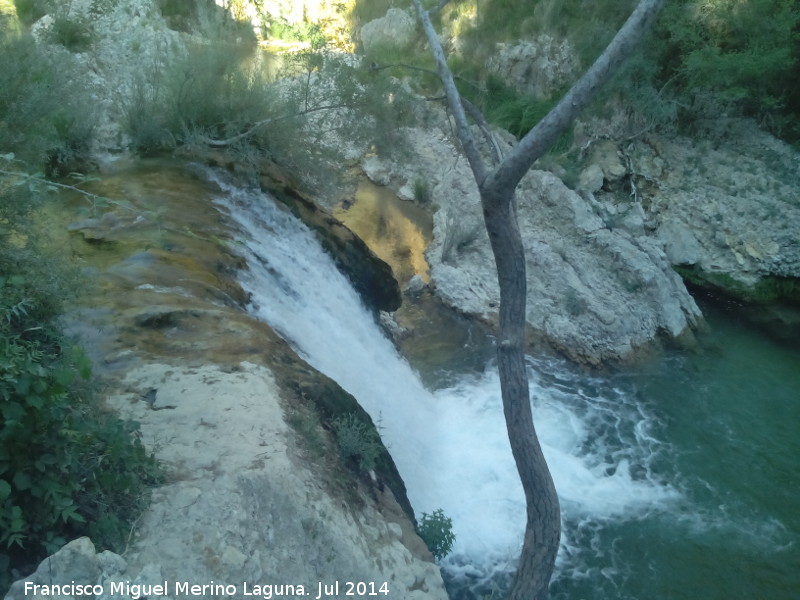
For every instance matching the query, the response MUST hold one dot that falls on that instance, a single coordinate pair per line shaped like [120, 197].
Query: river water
[677, 479]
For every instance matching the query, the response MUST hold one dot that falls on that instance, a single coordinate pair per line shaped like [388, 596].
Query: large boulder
[78, 562]
[394, 31]
[594, 292]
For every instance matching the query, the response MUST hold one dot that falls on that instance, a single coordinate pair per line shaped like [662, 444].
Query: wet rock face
[371, 277]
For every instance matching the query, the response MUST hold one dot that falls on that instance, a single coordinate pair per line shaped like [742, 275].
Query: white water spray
[450, 446]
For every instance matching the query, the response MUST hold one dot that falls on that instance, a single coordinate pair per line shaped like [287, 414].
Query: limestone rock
[76, 562]
[607, 156]
[537, 67]
[394, 31]
[594, 293]
[730, 208]
[680, 244]
[245, 508]
[242, 505]
[591, 179]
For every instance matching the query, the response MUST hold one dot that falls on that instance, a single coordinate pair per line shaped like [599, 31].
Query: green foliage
[731, 56]
[45, 110]
[205, 93]
[305, 421]
[67, 466]
[308, 33]
[511, 110]
[422, 191]
[30, 11]
[216, 94]
[358, 440]
[74, 33]
[703, 58]
[436, 530]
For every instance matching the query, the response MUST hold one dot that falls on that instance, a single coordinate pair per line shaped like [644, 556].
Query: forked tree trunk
[497, 188]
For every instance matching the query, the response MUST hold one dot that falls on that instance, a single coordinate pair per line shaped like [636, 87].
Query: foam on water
[450, 446]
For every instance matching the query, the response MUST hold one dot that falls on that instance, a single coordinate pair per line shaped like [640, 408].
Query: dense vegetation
[49, 130]
[67, 466]
[703, 59]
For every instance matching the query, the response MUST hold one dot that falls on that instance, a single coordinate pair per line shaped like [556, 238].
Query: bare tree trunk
[497, 188]
[543, 530]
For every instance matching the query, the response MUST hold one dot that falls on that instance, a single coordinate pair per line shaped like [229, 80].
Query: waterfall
[450, 445]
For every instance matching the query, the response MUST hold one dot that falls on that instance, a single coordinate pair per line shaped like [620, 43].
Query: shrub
[74, 33]
[701, 58]
[45, 111]
[422, 191]
[742, 54]
[436, 530]
[357, 440]
[205, 93]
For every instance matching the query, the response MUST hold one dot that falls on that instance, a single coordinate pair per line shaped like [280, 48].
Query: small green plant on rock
[422, 191]
[357, 440]
[436, 530]
[76, 34]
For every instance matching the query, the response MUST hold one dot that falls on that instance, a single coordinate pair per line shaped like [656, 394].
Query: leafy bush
[702, 59]
[422, 191]
[309, 33]
[436, 530]
[733, 57]
[74, 33]
[515, 112]
[357, 440]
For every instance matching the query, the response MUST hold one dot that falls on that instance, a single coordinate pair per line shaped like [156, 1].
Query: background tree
[497, 185]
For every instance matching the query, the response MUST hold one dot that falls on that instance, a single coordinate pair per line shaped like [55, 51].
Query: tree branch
[480, 120]
[453, 97]
[377, 67]
[497, 192]
[47, 182]
[542, 136]
[227, 142]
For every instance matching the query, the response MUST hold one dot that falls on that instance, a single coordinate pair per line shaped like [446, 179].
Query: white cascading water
[450, 446]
